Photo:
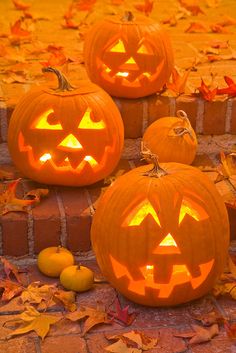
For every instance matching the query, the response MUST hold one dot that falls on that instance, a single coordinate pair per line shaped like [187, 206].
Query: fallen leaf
[145, 7]
[178, 83]
[191, 6]
[232, 266]
[32, 320]
[207, 93]
[5, 175]
[92, 317]
[9, 202]
[200, 334]
[10, 289]
[10, 269]
[227, 21]
[17, 30]
[69, 24]
[219, 44]
[38, 294]
[230, 90]
[217, 28]
[212, 3]
[67, 298]
[132, 341]
[36, 194]
[15, 78]
[210, 318]
[20, 5]
[230, 329]
[122, 315]
[57, 58]
[84, 5]
[197, 27]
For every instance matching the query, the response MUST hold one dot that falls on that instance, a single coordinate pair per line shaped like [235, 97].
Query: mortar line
[90, 202]
[30, 223]
[63, 222]
[145, 115]
[228, 117]
[3, 119]
[200, 116]
[172, 106]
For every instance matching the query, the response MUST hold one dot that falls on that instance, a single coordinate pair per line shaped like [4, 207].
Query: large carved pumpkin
[172, 139]
[161, 236]
[66, 136]
[128, 57]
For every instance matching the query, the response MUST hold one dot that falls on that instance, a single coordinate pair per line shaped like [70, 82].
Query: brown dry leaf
[232, 266]
[145, 7]
[227, 21]
[219, 44]
[10, 289]
[57, 58]
[9, 202]
[36, 194]
[40, 295]
[210, 318]
[5, 175]
[212, 3]
[32, 320]
[230, 329]
[227, 167]
[15, 78]
[20, 5]
[67, 298]
[131, 342]
[192, 6]
[197, 27]
[179, 82]
[92, 316]
[200, 334]
[217, 28]
[11, 269]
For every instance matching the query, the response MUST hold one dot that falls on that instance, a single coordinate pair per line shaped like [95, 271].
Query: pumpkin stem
[63, 83]
[156, 171]
[58, 249]
[128, 16]
[180, 131]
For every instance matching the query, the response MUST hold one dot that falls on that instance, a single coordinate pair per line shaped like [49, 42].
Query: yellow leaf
[67, 298]
[32, 320]
[203, 334]
[93, 317]
[35, 293]
[132, 341]
[121, 347]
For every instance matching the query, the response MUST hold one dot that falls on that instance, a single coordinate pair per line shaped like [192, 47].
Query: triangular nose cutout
[70, 142]
[167, 246]
[131, 61]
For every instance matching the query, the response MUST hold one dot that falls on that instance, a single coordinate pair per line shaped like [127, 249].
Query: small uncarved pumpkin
[66, 136]
[161, 236]
[172, 139]
[77, 278]
[51, 261]
[129, 56]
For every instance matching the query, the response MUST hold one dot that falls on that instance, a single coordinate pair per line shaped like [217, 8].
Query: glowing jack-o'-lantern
[172, 139]
[161, 236]
[128, 57]
[66, 136]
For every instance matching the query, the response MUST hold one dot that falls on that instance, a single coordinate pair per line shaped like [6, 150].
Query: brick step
[65, 216]
[216, 118]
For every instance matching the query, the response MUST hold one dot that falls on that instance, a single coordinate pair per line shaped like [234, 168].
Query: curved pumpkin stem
[156, 171]
[63, 83]
[180, 131]
[128, 16]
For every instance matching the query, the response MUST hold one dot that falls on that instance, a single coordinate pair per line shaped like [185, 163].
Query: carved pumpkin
[161, 236]
[172, 139]
[66, 136]
[128, 57]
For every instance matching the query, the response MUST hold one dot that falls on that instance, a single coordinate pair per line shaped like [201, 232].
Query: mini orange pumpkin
[51, 261]
[68, 136]
[77, 278]
[172, 139]
[161, 236]
[129, 56]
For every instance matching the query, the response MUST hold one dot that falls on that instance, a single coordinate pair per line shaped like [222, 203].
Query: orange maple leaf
[191, 6]
[9, 202]
[69, 23]
[206, 92]
[197, 27]
[57, 58]
[17, 30]
[178, 83]
[20, 5]
[147, 7]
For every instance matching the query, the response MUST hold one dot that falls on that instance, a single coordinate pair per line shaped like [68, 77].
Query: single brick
[64, 343]
[190, 105]
[214, 118]
[78, 218]
[233, 117]
[158, 107]
[131, 111]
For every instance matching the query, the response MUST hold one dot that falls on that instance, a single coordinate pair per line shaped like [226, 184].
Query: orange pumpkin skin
[128, 57]
[66, 136]
[161, 240]
[172, 139]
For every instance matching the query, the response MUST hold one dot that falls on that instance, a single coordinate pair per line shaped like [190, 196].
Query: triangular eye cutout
[118, 47]
[139, 213]
[167, 246]
[43, 124]
[70, 142]
[88, 123]
[131, 61]
[191, 208]
[143, 50]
